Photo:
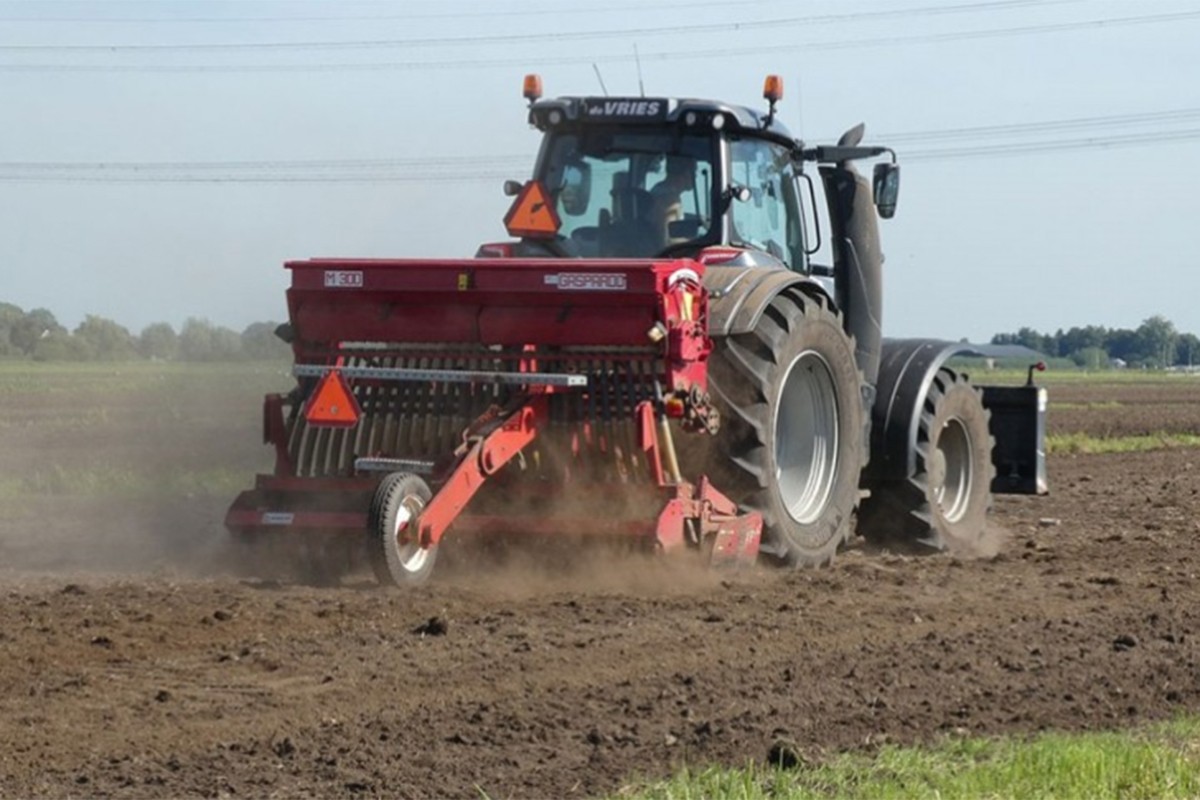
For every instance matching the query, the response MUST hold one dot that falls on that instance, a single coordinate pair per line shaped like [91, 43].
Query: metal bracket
[445, 375]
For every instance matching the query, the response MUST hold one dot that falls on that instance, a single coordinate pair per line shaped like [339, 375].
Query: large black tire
[395, 558]
[791, 441]
[945, 504]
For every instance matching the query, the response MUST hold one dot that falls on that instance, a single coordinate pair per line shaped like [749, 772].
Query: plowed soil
[133, 663]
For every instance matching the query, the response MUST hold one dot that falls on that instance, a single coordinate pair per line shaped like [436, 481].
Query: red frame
[516, 303]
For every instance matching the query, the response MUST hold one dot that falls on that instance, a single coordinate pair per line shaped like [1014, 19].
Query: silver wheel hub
[410, 556]
[951, 473]
[806, 437]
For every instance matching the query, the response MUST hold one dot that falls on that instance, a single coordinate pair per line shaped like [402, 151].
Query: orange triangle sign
[532, 215]
[332, 405]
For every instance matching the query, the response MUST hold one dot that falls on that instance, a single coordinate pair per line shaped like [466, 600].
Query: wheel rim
[410, 556]
[806, 437]
[952, 492]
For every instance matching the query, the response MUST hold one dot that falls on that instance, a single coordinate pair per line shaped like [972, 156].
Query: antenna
[638, 60]
[600, 78]
[800, 107]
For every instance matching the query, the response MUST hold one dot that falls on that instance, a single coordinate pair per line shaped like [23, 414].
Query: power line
[543, 61]
[297, 164]
[1021, 129]
[406, 177]
[461, 169]
[1091, 143]
[524, 38]
[558, 12]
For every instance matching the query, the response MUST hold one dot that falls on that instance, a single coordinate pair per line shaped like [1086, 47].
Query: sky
[160, 159]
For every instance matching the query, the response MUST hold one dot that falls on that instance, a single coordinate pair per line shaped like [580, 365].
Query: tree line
[37, 335]
[1155, 344]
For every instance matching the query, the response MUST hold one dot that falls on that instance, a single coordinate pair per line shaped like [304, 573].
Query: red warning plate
[332, 405]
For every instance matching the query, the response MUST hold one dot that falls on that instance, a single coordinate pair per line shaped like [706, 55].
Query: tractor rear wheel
[396, 554]
[791, 439]
[945, 504]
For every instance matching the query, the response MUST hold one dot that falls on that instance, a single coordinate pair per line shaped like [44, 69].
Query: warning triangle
[332, 405]
[532, 214]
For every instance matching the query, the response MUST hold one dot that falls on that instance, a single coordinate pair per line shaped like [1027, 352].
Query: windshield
[623, 193]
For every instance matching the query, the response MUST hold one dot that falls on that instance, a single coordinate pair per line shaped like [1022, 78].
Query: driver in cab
[666, 197]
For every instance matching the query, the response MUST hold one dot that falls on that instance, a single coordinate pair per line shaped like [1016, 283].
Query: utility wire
[453, 169]
[475, 13]
[525, 38]
[1021, 129]
[616, 57]
[1091, 143]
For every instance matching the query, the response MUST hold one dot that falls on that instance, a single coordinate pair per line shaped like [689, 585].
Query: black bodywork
[897, 373]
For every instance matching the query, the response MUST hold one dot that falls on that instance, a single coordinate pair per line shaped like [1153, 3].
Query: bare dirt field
[133, 663]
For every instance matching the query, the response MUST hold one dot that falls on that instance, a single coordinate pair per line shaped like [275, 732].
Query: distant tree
[200, 340]
[1077, 340]
[1157, 338]
[1090, 358]
[196, 340]
[158, 341]
[1123, 343]
[9, 316]
[260, 342]
[34, 325]
[1187, 352]
[1056, 345]
[106, 340]
[1030, 338]
[226, 344]
[59, 345]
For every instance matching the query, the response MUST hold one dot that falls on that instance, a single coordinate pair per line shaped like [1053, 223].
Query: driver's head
[680, 170]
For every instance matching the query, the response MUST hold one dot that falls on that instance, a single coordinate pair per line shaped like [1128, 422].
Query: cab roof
[574, 111]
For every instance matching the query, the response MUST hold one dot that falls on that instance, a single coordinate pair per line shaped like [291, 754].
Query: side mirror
[886, 187]
[512, 188]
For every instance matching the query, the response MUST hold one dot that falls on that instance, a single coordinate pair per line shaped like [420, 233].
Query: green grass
[1058, 443]
[1157, 762]
[97, 378]
[98, 430]
[1053, 377]
[1106, 405]
[116, 481]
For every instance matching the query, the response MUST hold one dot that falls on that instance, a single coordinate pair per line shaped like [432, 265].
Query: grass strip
[1060, 443]
[1157, 762]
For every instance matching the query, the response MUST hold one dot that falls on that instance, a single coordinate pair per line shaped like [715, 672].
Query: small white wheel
[397, 556]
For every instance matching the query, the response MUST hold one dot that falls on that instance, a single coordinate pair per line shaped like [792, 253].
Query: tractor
[681, 345]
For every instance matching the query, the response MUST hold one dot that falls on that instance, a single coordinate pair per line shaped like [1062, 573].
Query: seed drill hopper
[551, 390]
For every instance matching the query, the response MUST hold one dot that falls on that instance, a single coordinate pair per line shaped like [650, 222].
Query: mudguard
[739, 295]
[1017, 424]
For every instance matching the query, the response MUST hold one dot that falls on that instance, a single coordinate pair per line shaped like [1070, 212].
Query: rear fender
[906, 371]
[739, 295]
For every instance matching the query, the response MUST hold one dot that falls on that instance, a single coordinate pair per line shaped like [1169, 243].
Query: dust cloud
[122, 468]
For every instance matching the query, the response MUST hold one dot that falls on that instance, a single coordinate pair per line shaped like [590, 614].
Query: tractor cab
[659, 177]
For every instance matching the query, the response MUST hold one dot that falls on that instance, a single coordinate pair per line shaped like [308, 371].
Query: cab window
[623, 193]
[770, 219]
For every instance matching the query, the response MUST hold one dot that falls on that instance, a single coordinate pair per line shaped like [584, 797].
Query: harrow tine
[421, 412]
[391, 427]
[404, 411]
